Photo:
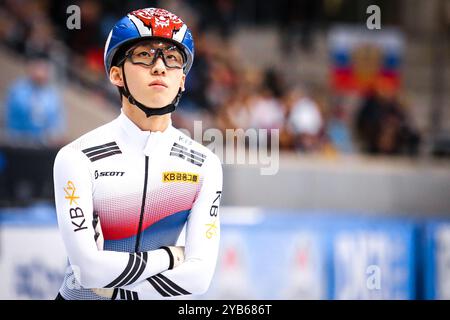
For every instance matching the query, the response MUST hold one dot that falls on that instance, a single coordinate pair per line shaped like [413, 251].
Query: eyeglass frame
[158, 53]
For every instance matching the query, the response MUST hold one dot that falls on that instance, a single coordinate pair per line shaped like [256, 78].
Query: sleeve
[201, 246]
[74, 207]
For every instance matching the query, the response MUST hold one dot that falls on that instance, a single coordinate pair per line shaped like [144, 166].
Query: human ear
[183, 80]
[115, 76]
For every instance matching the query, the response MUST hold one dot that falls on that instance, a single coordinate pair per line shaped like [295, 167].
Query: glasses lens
[172, 56]
[142, 56]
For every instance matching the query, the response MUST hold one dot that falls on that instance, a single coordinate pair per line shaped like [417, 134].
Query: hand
[103, 292]
[176, 255]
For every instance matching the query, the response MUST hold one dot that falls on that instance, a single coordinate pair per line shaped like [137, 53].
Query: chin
[156, 104]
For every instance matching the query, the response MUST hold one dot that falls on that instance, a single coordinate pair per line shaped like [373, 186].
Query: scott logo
[108, 174]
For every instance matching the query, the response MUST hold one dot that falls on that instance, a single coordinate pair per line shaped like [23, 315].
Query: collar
[144, 140]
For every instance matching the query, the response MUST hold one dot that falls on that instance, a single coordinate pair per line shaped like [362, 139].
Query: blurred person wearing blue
[34, 115]
[338, 129]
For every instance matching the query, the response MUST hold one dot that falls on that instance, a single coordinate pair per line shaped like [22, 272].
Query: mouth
[158, 84]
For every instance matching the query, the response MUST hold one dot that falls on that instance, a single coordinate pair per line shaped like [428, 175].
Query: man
[34, 113]
[137, 181]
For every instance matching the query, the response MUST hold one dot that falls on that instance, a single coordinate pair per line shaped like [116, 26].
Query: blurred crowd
[220, 90]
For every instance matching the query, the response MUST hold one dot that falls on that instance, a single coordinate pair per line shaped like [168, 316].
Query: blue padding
[162, 233]
[411, 259]
[268, 245]
[42, 215]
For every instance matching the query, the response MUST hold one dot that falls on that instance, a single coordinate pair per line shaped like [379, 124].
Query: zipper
[144, 195]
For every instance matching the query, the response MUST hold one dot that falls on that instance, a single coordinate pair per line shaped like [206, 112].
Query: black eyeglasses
[172, 56]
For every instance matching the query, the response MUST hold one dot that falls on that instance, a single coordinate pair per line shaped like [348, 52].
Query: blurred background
[360, 205]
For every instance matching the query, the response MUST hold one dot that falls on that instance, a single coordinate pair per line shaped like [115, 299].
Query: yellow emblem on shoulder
[70, 192]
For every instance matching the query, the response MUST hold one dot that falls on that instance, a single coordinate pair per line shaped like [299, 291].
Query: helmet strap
[148, 110]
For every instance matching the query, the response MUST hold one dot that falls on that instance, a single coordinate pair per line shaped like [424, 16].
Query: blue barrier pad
[287, 254]
[435, 254]
[37, 215]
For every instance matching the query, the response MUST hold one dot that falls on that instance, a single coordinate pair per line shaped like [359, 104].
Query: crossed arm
[146, 274]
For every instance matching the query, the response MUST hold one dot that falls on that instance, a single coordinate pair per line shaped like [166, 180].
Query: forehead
[154, 43]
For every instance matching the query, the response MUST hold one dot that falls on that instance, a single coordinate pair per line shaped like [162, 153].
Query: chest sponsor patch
[189, 155]
[174, 176]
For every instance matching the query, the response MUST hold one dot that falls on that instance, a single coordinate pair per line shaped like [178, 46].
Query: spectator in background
[383, 126]
[266, 111]
[338, 130]
[34, 111]
[305, 122]
[236, 111]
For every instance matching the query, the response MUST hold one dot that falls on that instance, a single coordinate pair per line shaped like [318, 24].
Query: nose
[159, 67]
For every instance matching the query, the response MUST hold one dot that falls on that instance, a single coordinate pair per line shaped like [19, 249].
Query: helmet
[149, 23]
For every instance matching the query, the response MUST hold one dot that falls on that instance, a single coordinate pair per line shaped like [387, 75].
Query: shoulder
[93, 139]
[19, 85]
[96, 137]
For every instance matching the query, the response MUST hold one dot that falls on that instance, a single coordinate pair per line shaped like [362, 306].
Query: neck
[152, 123]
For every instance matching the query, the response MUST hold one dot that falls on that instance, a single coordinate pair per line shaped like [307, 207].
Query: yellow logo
[212, 229]
[70, 192]
[180, 177]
